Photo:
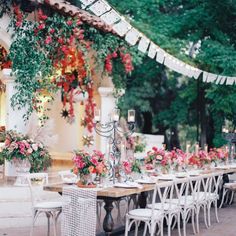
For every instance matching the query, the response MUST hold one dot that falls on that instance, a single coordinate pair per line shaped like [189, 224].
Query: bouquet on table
[88, 166]
[157, 158]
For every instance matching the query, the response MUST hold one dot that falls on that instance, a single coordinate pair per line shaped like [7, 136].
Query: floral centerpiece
[157, 158]
[132, 168]
[20, 148]
[176, 159]
[218, 155]
[87, 166]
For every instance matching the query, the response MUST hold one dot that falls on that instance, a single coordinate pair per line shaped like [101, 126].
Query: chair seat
[48, 205]
[230, 185]
[166, 206]
[208, 196]
[144, 213]
[188, 202]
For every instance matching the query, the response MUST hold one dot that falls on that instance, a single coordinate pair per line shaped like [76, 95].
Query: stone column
[14, 117]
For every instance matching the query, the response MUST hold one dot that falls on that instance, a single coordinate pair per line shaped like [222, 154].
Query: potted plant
[26, 154]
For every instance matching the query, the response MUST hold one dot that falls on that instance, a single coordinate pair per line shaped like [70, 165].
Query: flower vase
[22, 168]
[87, 181]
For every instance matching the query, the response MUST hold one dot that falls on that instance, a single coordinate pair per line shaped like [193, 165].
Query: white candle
[116, 114]
[131, 115]
[206, 148]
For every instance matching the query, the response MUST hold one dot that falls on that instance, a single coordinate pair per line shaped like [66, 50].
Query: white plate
[69, 180]
[194, 173]
[128, 185]
[146, 181]
[181, 175]
[222, 167]
[166, 177]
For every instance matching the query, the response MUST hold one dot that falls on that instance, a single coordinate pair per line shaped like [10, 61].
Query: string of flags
[134, 37]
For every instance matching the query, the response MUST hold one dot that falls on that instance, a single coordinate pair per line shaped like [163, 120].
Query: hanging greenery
[50, 54]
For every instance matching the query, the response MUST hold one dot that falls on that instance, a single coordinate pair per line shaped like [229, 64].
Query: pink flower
[41, 26]
[69, 22]
[52, 31]
[48, 40]
[127, 167]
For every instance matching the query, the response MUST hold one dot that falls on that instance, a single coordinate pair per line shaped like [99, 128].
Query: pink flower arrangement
[85, 163]
[156, 157]
[18, 146]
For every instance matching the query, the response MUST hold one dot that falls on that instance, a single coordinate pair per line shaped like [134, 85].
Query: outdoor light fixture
[114, 133]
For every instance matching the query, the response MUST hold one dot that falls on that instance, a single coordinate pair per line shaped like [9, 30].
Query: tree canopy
[176, 105]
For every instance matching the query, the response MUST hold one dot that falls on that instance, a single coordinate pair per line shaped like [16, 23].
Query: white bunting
[223, 79]
[110, 17]
[87, 2]
[102, 9]
[169, 62]
[99, 8]
[152, 50]
[211, 78]
[122, 27]
[218, 79]
[160, 56]
[143, 44]
[229, 81]
[132, 36]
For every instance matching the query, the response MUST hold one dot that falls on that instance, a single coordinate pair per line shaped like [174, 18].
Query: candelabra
[114, 133]
[230, 137]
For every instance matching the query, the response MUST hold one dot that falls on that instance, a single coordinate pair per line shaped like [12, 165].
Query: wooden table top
[114, 192]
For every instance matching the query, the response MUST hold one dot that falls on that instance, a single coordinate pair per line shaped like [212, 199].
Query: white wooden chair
[51, 209]
[151, 216]
[173, 206]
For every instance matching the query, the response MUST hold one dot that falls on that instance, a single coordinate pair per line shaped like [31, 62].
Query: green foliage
[173, 25]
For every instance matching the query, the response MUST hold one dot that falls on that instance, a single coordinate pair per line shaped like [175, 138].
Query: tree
[174, 25]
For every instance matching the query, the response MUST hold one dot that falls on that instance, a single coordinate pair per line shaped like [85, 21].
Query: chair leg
[145, 229]
[232, 198]
[136, 228]
[175, 222]
[209, 214]
[178, 224]
[169, 224]
[216, 211]
[54, 224]
[34, 217]
[193, 221]
[205, 215]
[48, 219]
[223, 197]
[127, 226]
[197, 218]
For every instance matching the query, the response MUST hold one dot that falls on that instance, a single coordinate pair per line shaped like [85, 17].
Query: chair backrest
[78, 211]
[181, 191]
[194, 186]
[163, 191]
[216, 182]
[36, 181]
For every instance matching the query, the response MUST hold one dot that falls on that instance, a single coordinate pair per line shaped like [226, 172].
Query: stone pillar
[14, 117]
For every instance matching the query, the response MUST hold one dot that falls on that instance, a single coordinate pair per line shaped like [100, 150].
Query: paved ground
[15, 216]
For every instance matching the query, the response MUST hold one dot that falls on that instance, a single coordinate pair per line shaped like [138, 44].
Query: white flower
[35, 146]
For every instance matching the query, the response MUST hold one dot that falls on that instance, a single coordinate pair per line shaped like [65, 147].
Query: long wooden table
[111, 194]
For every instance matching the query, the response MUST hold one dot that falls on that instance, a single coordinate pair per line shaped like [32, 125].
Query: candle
[187, 148]
[116, 114]
[206, 148]
[131, 115]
